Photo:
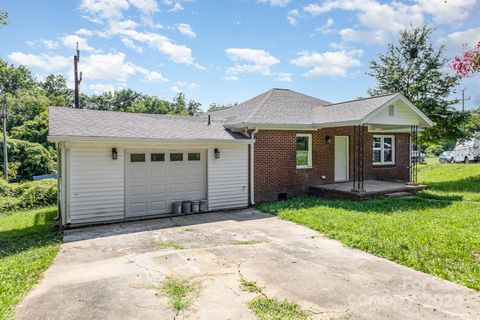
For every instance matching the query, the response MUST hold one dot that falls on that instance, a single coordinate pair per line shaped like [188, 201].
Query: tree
[150, 104]
[55, 86]
[3, 18]
[468, 63]
[28, 159]
[415, 68]
[193, 108]
[35, 130]
[219, 106]
[26, 105]
[179, 104]
[14, 78]
[473, 122]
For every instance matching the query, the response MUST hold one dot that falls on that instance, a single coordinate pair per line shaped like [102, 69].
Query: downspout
[58, 218]
[252, 166]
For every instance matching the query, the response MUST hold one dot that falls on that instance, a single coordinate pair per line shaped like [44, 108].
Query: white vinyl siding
[96, 188]
[228, 178]
[95, 182]
[400, 114]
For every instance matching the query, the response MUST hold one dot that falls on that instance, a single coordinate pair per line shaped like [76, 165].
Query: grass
[180, 292]
[28, 245]
[250, 286]
[454, 181]
[441, 238]
[273, 309]
[243, 242]
[170, 244]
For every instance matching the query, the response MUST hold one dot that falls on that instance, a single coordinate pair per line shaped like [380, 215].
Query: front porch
[371, 189]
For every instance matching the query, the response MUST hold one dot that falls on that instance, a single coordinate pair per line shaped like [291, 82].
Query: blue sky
[226, 51]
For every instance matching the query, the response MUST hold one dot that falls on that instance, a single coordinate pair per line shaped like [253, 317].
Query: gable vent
[391, 110]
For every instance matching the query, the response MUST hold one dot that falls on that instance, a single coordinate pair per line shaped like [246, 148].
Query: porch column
[414, 147]
[358, 158]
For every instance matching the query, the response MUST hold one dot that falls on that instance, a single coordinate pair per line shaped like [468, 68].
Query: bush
[29, 159]
[26, 195]
[434, 150]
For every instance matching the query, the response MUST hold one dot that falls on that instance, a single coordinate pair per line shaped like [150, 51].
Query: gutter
[252, 166]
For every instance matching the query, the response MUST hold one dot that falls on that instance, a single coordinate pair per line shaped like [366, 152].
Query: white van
[468, 150]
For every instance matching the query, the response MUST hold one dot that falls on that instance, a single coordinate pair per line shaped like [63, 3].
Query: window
[137, 157]
[176, 156]
[194, 156]
[304, 151]
[383, 150]
[154, 157]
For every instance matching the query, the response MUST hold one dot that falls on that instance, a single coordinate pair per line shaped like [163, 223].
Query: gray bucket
[177, 207]
[195, 206]
[186, 207]
[203, 205]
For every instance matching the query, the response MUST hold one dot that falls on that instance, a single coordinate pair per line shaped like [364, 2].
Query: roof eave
[54, 138]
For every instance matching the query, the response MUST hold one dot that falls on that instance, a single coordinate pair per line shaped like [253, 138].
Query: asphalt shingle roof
[276, 106]
[72, 122]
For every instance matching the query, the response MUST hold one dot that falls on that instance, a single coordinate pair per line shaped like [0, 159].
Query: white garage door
[154, 179]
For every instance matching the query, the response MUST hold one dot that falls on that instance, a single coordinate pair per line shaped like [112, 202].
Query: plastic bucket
[186, 207]
[203, 205]
[195, 206]
[177, 207]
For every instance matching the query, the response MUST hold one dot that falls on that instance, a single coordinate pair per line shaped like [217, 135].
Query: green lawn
[28, 245]
[437, 237]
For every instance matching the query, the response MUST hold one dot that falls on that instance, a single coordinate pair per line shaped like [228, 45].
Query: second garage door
[154, 179]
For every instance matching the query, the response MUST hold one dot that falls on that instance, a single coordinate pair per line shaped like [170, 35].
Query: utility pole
[78, 79]
[5, 150]
[463, 106]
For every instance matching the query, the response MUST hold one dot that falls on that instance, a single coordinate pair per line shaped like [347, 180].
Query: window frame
[132, 155]
[175, 153]
[309, 155]
[382, 149]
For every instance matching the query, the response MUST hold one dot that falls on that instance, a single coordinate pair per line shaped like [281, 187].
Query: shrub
[26, 195]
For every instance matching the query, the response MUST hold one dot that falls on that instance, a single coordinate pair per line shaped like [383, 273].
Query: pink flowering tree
[468, 63]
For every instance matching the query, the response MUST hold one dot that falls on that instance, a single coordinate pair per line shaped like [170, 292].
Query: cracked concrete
[111, 272]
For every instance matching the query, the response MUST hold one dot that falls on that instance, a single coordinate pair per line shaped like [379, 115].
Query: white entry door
[341, 158]
[154, 179]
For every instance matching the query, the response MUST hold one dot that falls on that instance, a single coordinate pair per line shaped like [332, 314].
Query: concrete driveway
[112, 272]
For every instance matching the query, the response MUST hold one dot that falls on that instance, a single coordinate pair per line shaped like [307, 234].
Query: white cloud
[250, 61]
[98, 88]
[183, 86]
[186, 29]
[293, 16]
[176, 7]
[130, 44]
[84, 32]
[70, 41]
[275, 3]
[328, 63]
[326, 28]
[231, 78]
[48, 63]
[448, 12]
[145, 6]
[104, 9]
[110, 66]
[283, 76]
[49, 44]
[176, 53]
[155, 77]
[356, 36]
[455, 41]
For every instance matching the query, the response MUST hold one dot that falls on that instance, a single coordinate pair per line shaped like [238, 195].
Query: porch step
[400, 194]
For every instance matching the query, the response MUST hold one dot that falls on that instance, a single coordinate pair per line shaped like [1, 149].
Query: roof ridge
[360, 99]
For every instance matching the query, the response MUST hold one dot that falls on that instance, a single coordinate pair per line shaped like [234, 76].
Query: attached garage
[155, 179]
[117, 167]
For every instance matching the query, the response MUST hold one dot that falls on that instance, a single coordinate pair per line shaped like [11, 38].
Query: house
[116, 166]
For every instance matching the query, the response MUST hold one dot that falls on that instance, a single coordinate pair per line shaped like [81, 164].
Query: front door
[341, 158]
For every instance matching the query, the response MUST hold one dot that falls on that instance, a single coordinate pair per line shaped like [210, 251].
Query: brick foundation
[275, 167]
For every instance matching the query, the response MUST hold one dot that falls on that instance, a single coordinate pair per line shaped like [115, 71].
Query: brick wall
[275, 167]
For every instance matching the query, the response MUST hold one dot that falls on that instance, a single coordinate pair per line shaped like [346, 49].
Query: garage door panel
[152, 185]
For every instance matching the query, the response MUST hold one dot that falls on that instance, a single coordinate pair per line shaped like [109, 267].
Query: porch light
[114, 154]
[328, 139]
[216, 152]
